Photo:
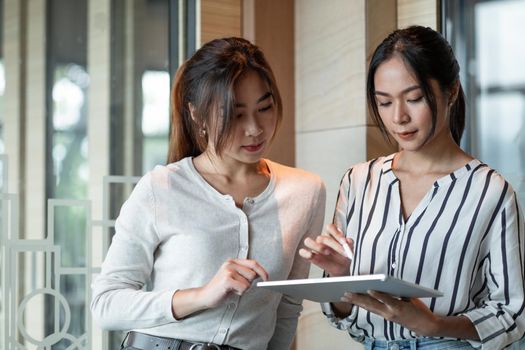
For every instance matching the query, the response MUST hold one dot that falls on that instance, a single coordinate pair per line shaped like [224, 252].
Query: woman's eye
[384, 104]
[267, 108]
[414, 100]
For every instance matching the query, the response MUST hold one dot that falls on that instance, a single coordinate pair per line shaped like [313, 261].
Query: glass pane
[67, 154]
[500, 50]
[48, 279]
[140, 88]
[68, 131]
[140, 85]
[71, 219]
[499, 137]
[487, 38]
[155, 117]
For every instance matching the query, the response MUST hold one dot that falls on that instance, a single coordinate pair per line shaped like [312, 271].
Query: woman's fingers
[316, 246]
[327, 251]
[389, 307]
[235, 275]
[253, 266]
[239, 284]
[329, 242]
[333, 264]
[306, 254]
[337, 239]
[366, 302]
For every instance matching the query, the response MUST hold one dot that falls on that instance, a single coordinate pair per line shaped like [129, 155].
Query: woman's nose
[400, 114]
[253, 129]
[253, 132]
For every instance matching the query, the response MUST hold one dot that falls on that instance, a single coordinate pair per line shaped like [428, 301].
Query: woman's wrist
[451, 326]
[185, 302]
[433, 328]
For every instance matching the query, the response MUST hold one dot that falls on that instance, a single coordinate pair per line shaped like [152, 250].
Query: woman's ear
[192, 111]
[201, 126]
[453, 93]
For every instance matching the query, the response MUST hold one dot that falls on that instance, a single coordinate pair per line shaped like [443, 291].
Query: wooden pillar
[219, 18]
[270, 25]
[421, 12]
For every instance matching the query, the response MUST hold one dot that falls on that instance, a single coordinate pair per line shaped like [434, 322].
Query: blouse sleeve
[119, 301]
[342, 211]
[499, 318]
[290, 308]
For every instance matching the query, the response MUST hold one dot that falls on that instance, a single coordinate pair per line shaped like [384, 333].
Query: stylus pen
[348, 252]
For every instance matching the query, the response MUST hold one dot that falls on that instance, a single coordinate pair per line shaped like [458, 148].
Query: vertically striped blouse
[465, 238]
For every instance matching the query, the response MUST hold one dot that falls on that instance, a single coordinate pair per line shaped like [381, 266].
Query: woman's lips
[254, 147]
[406, 135]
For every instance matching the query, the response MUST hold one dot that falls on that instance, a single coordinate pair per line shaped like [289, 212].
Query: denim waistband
[416, 344]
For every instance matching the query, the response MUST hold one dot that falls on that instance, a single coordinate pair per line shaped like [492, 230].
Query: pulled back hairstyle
[429, 56]
[207, 81]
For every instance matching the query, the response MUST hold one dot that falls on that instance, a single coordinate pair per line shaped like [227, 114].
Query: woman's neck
[237, 179]
[440, 155]
[230, 170]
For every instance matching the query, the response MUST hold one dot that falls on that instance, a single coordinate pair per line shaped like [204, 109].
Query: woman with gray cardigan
[203, 229]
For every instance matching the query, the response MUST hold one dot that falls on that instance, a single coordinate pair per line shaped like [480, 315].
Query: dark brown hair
[207, 81]
[429, 56]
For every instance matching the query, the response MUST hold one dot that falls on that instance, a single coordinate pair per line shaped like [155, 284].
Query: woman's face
[403, 107]
[254, 120]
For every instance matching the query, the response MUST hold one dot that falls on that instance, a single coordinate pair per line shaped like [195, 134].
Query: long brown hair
[206, 81]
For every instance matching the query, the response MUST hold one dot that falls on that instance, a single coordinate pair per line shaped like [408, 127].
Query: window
[487, 38]
[47, 284]
[67, 172]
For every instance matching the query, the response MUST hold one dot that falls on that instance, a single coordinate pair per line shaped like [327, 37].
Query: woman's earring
[202, 132]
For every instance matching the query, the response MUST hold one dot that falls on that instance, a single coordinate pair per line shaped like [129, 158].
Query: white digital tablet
[331, 289]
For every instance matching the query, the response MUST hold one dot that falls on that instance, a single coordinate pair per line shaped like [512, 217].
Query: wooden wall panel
[381, 20]
[330, 64]
[330, 50]
[270, 25]
[220, 18]
[274, 34]
[421, 12]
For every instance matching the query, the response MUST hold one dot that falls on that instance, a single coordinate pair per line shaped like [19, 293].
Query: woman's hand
[235, 276]
[410, 313]
[327, 252]
[414, 315]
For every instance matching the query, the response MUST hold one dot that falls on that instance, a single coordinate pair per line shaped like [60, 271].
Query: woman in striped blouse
[429, 214]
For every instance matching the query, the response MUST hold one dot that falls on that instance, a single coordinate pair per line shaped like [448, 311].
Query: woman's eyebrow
[260, 99]
[408, 89]
[264, 97]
